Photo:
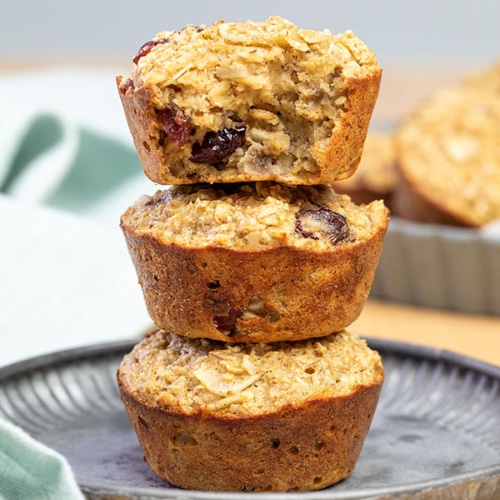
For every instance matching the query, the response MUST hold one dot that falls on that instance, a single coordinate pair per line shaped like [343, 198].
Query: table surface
[471, 335]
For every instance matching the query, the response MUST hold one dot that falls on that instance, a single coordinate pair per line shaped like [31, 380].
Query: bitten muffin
[250, 101]
[376, 176]
[448, 153]
[251, 417]
[256, 262]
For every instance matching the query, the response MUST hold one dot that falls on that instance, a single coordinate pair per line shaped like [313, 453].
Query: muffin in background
[448, 155]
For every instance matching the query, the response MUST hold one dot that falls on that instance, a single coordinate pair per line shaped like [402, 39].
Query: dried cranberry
[335, 224]
[127, 85]
[228, 322]
[176, 124]
[146, 48]
[217, 146]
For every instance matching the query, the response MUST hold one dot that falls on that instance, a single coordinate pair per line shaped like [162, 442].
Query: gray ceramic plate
[435, 433]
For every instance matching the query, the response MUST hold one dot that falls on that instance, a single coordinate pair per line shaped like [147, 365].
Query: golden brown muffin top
[255, 215]
[204, 58]
[190, 375]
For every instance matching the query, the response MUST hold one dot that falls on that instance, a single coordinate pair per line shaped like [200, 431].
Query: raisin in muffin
[250, 101]
[251, 417]
[376, 176]
[448, 153]
[256, 262]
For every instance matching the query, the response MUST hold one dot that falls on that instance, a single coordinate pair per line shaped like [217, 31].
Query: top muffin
[250, 101]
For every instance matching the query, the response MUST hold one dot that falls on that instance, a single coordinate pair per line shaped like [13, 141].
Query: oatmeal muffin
[256, 262]
[251, 417]
[250, 101]
[448, 154]
[376, 176]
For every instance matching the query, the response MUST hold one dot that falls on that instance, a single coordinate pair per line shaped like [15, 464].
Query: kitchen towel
[30, 470]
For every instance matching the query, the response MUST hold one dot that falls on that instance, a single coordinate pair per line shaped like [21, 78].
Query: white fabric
[66, 279]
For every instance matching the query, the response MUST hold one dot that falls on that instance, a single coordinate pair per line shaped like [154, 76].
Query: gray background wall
[401, 32]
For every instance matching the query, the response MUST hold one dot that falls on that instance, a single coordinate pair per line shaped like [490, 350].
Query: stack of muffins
[250, 264]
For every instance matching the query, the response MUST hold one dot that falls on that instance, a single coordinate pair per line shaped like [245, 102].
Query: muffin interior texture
[270, 92]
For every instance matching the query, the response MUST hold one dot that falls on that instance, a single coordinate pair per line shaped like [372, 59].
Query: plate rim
[102, 488]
